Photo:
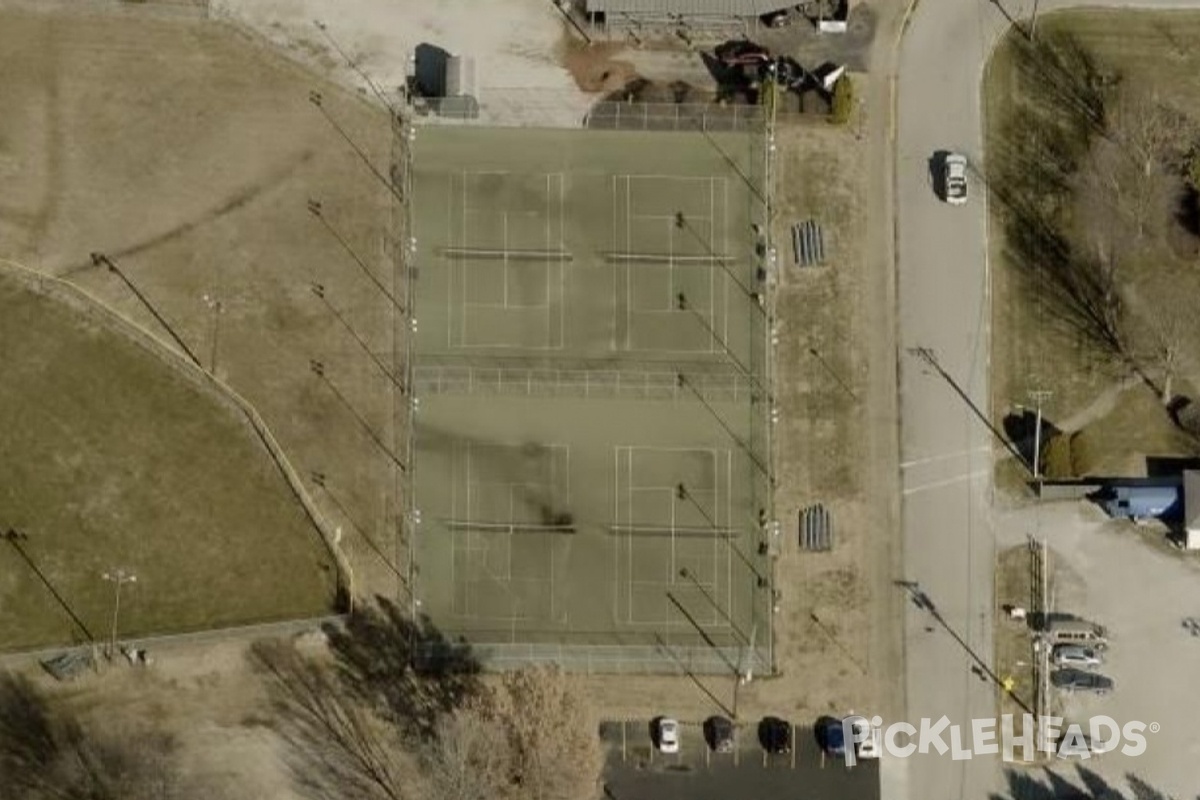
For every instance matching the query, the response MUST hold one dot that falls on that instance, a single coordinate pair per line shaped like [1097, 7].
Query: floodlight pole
[681, 491]
[99, 259]
[118, 578]
[683, 381]
[683, 305]
[318, 290]
[217, 309]
[682, 221]
[687, 573]
[318, 101]
[315, 208]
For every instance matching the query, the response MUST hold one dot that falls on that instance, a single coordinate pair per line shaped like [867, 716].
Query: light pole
[1039, 396]
[214, 304]
[118, 578]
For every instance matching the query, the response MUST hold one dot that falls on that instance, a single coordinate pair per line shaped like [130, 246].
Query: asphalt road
[943, 300]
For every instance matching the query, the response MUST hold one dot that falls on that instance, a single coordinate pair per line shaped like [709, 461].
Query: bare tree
[556, 753]
[341, 750]
[48, 752]
[469, 759]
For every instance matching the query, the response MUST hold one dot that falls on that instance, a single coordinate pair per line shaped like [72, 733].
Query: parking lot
[1123, 577]
[636, 770]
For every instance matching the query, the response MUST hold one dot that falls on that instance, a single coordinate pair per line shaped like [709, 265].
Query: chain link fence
[592, 384]
[656, 659]
[616, 115]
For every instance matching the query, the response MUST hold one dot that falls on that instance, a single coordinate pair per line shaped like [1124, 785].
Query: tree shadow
[1021, 429]
[407, 671]
[1048, 784]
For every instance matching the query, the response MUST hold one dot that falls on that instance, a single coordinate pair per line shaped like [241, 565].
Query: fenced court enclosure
[591, 440]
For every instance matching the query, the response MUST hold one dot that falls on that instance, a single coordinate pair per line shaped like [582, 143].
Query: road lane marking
[916, 462]
[979, 473]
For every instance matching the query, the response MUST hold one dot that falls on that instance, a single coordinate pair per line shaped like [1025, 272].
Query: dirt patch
[1014, 658]
[597, 68]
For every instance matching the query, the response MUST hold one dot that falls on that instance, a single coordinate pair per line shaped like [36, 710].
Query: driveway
[636, 771]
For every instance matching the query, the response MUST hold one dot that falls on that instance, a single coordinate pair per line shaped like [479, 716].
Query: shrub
[843, 101]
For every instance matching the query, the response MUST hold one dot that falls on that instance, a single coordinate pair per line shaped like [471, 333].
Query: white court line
[546, 277]
[979, 473]
[629, 534]
[628, 267]
[727, 520]
[504, 262]
[670, 263]
[562, 264]
[916, 462]
[469, 532]
[725, 225]
[617, 520]
[616, 268]
[450, 194]
[463, 321]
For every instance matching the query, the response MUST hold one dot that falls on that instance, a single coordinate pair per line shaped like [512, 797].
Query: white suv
[954, 178]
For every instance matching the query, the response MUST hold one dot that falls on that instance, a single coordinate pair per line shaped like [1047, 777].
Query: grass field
[553, 432]
[113, 460]
[1147, 52]
[188, 152]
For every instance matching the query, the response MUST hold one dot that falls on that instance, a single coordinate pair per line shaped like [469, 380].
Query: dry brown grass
[187, 152]
[1031, 347]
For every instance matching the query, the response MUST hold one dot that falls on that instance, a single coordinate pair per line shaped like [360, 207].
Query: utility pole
[1038, 396]
[118, 578]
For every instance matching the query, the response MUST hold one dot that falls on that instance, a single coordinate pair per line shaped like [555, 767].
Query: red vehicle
[741, 53]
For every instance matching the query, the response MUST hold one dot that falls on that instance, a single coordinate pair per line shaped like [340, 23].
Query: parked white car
[668, 735]
[869, 739]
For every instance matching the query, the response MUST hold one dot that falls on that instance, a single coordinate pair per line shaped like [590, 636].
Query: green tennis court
[591, 437]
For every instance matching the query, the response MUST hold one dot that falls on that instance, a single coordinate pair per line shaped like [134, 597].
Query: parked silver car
[1074, 655]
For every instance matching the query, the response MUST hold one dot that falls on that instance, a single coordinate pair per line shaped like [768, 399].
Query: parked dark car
[718, 732]
[830, 736]
[775, 735]
[1078, 680]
